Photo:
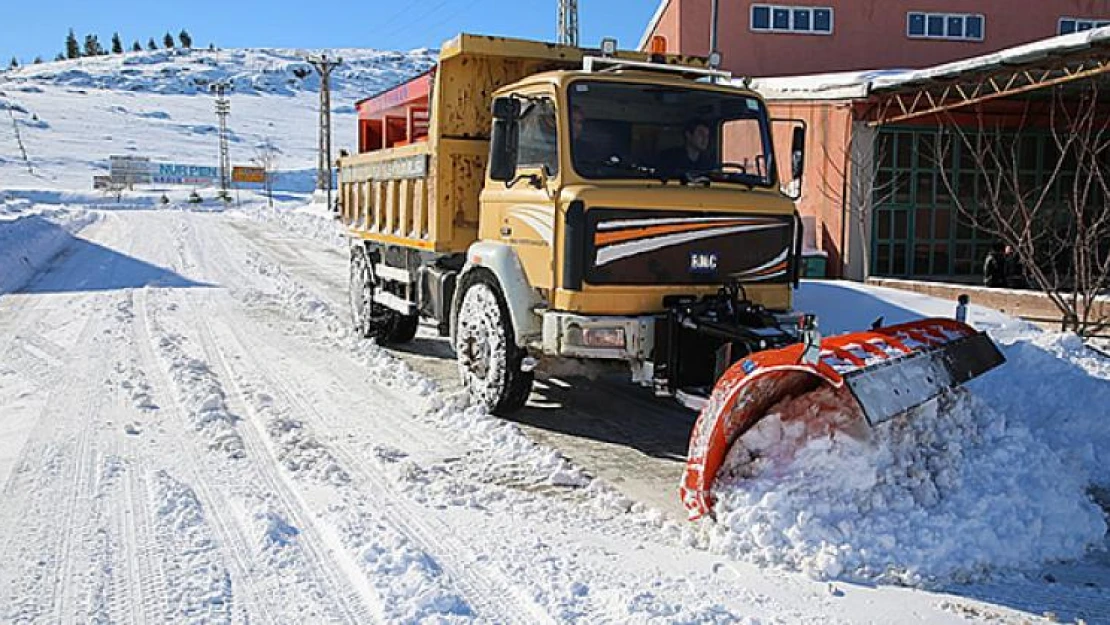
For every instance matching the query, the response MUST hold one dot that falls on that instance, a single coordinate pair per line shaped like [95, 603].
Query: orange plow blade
[887, 371]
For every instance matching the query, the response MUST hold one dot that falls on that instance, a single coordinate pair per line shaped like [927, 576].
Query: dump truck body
[602, 253]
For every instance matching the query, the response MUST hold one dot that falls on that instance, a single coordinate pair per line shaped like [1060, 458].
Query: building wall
[866, 34]
[827, 168]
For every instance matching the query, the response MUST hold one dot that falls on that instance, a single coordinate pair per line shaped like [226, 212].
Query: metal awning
[1010, 73]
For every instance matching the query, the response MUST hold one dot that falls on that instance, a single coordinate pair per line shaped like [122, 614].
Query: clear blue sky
[28, 29]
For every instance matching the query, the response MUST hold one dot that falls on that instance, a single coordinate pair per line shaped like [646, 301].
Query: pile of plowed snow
[995, 476]
[31, 234]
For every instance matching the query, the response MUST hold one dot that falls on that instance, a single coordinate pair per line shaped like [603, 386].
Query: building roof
[861, 84]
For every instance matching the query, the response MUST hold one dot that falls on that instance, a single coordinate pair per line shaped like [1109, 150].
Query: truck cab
[630, 210]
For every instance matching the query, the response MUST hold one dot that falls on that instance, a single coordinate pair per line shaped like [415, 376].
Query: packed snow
[251, 459]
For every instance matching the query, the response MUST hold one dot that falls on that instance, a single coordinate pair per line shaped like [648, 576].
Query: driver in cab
[693, 154]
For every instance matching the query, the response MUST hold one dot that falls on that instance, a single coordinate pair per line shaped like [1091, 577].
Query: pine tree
[150, 45]
[14, 64]
[136, 47]
[73, 49]
[185, 39]
[92, 46]
[60, 57]
[167, 41]
[117, 44]
[38, 60]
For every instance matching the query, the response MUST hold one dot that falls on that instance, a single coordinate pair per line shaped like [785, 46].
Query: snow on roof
[860, 84]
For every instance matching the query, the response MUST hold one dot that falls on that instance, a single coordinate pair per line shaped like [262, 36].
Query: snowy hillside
[73, 115]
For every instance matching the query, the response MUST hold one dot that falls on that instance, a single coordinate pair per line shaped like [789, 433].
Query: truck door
[521, 213]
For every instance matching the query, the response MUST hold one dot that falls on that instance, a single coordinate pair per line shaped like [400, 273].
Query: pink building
[791, 37]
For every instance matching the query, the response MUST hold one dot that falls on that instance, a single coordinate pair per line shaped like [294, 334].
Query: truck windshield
[624, 130]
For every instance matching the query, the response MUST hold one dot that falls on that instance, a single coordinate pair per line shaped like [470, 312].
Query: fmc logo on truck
[703, 262]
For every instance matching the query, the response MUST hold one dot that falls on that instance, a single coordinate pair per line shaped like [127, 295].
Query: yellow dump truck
[541, 202]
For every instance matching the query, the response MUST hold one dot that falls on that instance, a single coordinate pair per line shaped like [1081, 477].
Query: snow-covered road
[189, 434]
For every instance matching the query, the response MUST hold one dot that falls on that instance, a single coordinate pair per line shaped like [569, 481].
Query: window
[629, 131]
[1068, 25]
[761, 18]
[537, 143]
[792, 19]
[950, 26]
[801, 20]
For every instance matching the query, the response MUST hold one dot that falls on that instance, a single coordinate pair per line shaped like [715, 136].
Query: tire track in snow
[311, 541]
[485, 588]
[489, 592]
[311, 549]
[255, 524]
[43, 493]
[237, 561]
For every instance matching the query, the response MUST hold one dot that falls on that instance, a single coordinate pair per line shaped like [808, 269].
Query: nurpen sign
[133, 170]
[170, 173]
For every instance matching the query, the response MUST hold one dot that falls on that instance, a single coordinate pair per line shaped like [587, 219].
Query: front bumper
[580, 336]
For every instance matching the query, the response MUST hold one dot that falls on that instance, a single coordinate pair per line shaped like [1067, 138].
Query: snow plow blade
[887, 371]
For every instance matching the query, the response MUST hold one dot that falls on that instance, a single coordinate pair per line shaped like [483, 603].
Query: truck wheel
[488, 356]
[372, 320]
[403, 329]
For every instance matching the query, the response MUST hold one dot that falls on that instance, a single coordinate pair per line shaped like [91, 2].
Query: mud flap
[891, 387]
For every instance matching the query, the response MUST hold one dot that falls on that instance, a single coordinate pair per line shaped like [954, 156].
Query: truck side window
[538, 138]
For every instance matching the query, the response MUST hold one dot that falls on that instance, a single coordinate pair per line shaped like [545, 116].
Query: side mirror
[798, 154]
[504, 139]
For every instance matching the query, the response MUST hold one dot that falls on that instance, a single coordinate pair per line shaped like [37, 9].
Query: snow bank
[31, 235]
[952, 492]
[1059, 389]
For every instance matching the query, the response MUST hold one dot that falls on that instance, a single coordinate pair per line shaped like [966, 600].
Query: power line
[415, 18]
[427, 28]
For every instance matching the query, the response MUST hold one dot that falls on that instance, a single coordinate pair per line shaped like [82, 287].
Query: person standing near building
[1011, 269]
[994, 268]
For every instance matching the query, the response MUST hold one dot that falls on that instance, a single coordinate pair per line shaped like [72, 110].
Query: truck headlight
[610, 338]
[601, 337]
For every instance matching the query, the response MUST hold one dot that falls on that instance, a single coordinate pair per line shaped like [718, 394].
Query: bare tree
[856, 184]
[1059, 225]
[266, 157]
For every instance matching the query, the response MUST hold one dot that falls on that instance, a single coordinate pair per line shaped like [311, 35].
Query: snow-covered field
[189, 432]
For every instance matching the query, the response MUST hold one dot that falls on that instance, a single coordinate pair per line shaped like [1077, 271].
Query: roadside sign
[130, 170]
[197, 175]
[248, 174]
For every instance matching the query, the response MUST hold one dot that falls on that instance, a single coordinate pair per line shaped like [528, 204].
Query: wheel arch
[502, 262]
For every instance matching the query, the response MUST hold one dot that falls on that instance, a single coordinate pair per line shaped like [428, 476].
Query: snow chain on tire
[485, 346]
[371, 320]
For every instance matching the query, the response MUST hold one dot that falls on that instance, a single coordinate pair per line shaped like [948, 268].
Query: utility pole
[223, 109]
[713, 28]
[324, 66]
[568, 22]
